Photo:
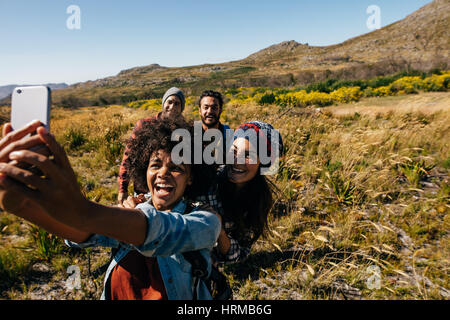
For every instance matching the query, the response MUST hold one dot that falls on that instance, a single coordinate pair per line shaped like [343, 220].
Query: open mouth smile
[164, 189]
[235, 170]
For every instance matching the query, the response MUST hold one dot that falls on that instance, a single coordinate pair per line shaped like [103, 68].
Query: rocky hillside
[420, 41]
[6, 91]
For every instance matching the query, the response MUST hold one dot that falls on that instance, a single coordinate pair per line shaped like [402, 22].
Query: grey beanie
[174, 92]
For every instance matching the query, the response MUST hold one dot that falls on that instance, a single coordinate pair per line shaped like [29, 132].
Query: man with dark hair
[210, 108]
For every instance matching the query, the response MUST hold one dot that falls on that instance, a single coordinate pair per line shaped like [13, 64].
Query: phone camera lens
[19, 91]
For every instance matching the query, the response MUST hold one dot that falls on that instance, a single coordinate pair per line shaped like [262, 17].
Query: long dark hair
[248, 209]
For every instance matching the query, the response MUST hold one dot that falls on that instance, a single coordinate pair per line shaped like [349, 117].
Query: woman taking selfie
[151, 238]
[241, 193]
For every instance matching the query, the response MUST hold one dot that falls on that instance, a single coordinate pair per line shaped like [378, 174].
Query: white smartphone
[30, 103]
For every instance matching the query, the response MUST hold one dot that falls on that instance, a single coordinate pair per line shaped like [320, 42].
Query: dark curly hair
[155, 135]
[210, 93]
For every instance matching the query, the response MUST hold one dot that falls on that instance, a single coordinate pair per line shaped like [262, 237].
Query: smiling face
[210, 111]
[172, 107]
[166, 180]
[246, 162]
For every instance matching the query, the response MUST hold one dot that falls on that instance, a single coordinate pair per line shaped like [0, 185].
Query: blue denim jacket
[168, 235]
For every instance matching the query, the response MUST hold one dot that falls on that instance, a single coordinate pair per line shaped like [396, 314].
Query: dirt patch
[426, 103]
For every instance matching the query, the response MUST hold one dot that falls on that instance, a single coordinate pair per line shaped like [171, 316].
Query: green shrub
[343, 190]
[14, 264]
[74, 139]
[446, 163]
[321, 86]
[48, 245]
[72, 102]
[111, 147]
[380, 82]
[268, 98]
[414, 170]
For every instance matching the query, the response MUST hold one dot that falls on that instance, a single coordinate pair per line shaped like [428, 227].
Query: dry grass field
[426, 103]
[362, 186]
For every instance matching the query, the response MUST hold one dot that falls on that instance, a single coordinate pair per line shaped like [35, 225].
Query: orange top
[137, 277]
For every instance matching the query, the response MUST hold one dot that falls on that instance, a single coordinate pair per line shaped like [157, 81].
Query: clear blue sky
[37, 47]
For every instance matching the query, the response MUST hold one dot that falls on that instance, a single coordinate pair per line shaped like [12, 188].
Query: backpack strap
[199, 269]
[199, 265]
[222, 290]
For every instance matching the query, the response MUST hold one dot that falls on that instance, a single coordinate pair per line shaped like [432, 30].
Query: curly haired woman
[151, 238]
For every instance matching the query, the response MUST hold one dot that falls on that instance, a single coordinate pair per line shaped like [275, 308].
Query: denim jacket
[168, 235]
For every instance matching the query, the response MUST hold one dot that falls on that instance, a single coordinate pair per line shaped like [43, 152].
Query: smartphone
[30, 103]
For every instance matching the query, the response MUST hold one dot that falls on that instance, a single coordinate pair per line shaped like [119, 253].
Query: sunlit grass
[354, 191]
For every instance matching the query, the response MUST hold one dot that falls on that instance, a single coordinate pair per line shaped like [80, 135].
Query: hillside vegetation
[419, 41]
[357, 191]
[363, 187]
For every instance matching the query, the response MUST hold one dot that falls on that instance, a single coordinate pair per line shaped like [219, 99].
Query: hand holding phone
[30, 103]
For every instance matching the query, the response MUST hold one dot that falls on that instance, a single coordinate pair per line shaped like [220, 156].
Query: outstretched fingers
[14, 140]
[40, 161]
[10, 136]
[7, 128]
[56, 149]
[28, 180]
[12, 193]
[23, 144]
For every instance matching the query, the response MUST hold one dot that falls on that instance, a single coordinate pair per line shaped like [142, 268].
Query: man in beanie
[173, 103]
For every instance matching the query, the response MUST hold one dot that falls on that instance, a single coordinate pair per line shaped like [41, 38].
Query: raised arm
[67, 213]
[12, 200]
[55, 202]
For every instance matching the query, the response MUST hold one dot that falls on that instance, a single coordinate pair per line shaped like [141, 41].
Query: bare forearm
[126, 225]
[59, 205]
[223, 242]
[123, 224]
[36, 215]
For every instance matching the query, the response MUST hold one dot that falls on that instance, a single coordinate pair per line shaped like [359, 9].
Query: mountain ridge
[419, 41]
[6, 90]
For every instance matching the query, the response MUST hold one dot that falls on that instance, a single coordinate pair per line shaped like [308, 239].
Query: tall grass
[351, 209]
[47, 245]
[14, 264]
[354, 191]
